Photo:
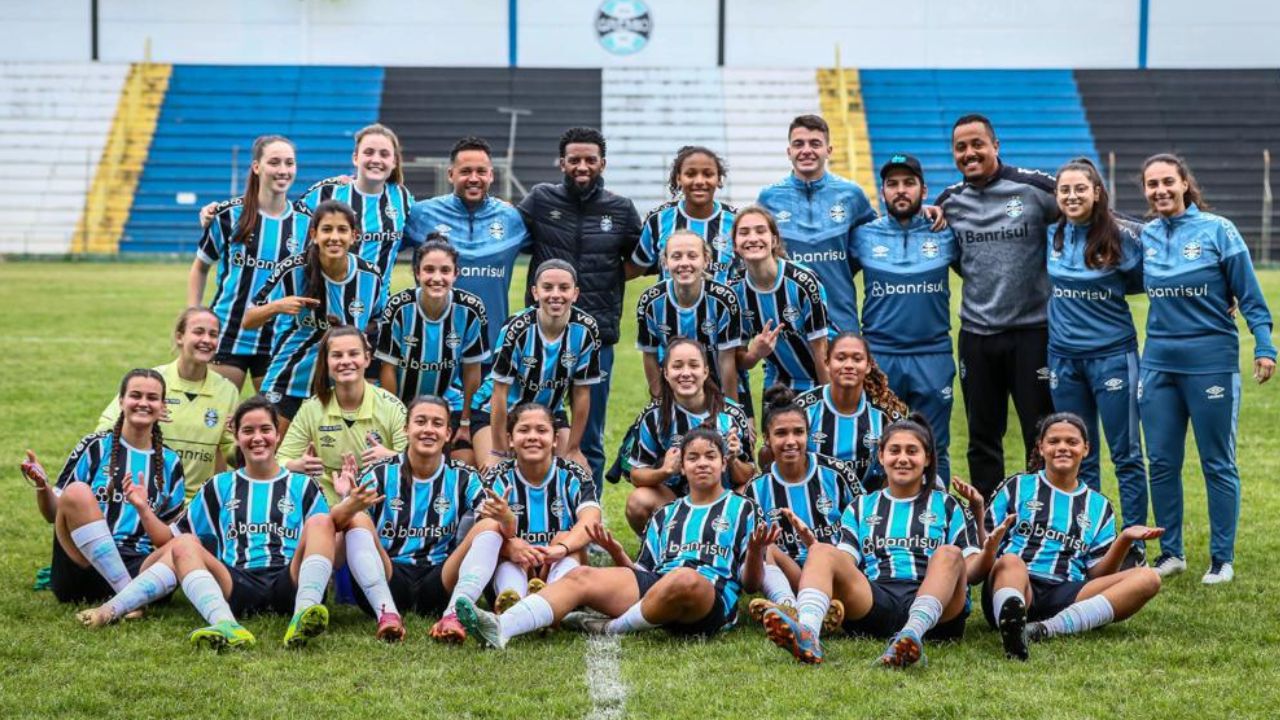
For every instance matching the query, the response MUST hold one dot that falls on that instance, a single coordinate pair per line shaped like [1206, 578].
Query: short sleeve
[313, 500]
[278, 277]
[506, 362]
[650, 549]
[175, 490]
[647, 452]
[1103, 536]
[647, 337]
[815, 314]
[78, 467]
[475, 340]
[646, 252]
[209, 249]
[587, 369]
[961, 530]
[391, 338]
[850, 540]
[729, 325]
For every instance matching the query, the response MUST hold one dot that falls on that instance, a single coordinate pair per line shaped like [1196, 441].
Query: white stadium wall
[673, 33]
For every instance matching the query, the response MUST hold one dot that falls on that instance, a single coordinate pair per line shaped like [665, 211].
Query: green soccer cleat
[307, 624]
[484, 626]
[226, 634]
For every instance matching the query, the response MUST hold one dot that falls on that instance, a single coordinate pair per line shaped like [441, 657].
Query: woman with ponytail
[326, 285]
[1059, 570]
[902, 565]
[115, 497]
[689, 398]
[848, 413]
[246, 237]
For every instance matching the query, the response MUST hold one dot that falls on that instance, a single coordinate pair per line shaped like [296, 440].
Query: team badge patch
[293, 245]
[391, 213]
[824, 504]
[870, 440]
[355, 309]
[554, 214]
[874, 520]
[946, 393]
[442, 505]
[791, 314]
[211, 418]
[1192, 250]
[452, 341]
[930, 249]
[1083, 521]
[557, 507]
[285, 506]
[623, 26]
[1014, 207]
[529, 361]
[720, 524]
[497, 230]
[606, 223]
[927, 518]
[837, 212]
[709, 328]
[273, 397]
[568, 360]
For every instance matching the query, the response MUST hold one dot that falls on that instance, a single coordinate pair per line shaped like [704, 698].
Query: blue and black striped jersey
[381, 218]
[254, 524]
[418, 518]
[243, 269]
[90, 462]
[855, 437]
[827, 488]
[893, 539]
[669, 217]
[429, 354]
[541, 370]
[711, 539]
[654, 437]
[550, 507]
[798, 302]
[1059, 535]
[715, 320]
[358, 299]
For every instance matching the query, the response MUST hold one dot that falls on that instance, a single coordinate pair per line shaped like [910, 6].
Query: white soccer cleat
[1168, 565]
[1218, 573]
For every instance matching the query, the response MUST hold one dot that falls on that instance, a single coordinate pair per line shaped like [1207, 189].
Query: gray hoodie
[1000, 235]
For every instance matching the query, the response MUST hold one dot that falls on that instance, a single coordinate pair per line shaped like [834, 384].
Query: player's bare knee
[1148, 581]
[946, 555]
[1008, 562]
[321, 523]
[77, 495]
[184, 547]
[485, 525]
[362, 521]
[684, 584]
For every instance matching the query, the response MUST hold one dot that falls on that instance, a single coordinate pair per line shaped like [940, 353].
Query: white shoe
[1218, 572]
[1168, 565]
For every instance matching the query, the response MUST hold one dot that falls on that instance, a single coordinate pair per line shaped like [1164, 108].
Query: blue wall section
[1038, 116]
[209, 110]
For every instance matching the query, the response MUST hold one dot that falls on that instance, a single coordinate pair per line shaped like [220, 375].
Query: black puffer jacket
[595, 231]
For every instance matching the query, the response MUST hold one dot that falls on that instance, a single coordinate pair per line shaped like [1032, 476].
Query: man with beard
[906, 317]
[487, 231]
[580, 222]
[1000, 216]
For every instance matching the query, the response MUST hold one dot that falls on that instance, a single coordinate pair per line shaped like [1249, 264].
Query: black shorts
[262, 590]
[286, 405]
[74, 584]
[1048, 598]
[482, 419]
[413, 587]
[891, 608]
[719, 618]
[255, 365]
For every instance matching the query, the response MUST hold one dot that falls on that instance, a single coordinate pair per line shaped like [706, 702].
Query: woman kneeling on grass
[906, 556]
[414, 504]
[115, 497]
[272, 542]
[1058, 566]
[699, 553]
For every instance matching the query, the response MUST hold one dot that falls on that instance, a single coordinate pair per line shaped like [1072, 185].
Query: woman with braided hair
[115, 497]
[847, 414]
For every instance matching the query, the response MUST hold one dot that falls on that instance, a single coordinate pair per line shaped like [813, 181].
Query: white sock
[204, 593]
[98, 547]
[923, 615]
[560, 568]
[777, 587]
[365, 563]
[531, 613]
[1003, 595]
[630, 621]
[477, 567]
[510, 576]
[151, 584]
[1081, 616]
[812, 605]
[313, 579]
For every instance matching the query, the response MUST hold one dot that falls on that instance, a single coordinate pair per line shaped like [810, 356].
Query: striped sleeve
[176, 488]
[650, 549]
[850, 540]
[313, 499]
[1104, 533]
[80, 463]
[961, 531]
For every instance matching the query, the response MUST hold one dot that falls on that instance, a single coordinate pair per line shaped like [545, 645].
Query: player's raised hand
[206, 214]
[803, 532]
[495, 506]
[345, 479]
[34, 472]
[671, 461]
[374, 450]
[294, 304]
[734, 442]
[135, 493]
[764, 343]
[969, 494]
[763, 536]
[992, 542]
[601, 536]
[364, 495]
[1141, 532]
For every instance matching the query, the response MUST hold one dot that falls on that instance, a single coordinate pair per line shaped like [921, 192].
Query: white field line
[604, 678]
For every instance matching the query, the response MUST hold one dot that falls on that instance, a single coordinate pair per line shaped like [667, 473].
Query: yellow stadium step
[852, 155]
[128, 144]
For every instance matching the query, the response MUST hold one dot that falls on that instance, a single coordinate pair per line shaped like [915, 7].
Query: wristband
[464, 422]
[567, 551]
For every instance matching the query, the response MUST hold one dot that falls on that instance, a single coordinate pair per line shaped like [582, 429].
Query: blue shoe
[482, 625]
[793, 637]
[905, 649]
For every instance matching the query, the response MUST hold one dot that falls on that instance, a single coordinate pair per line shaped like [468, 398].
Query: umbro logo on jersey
[930, 249]
[397, 504]
[410, 341]
[442, 505]
[285, 506]
[516, 508]
[818, 438]
[874, 520]
[784, 216]
[1042, 373]
[1083, 520]
[927, 518]
[1192, 250]
[1113, 384]
[606, 223]
[529, 361]
[879, 252]
[720, 524]
[1035, 506]
[496, 230]
[1151, 252]
[774, 514]
[452, 341]
[554, 214]
[1014, 207]
[232, 505]
[664, 329]
[211, 418]
[355, 309]
[946, 393]
[1216, 392]
[443, 229]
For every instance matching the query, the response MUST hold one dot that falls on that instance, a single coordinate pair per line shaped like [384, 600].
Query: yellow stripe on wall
[848, 130]
[111, 194]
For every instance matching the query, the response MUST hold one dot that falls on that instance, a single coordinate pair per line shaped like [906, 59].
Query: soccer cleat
[227, 633]
[793, 637]
[309, 623]
[448, 630]
[536, 585]
[1037, 632]
[1136, 557]
[590, 623]
[390, 627]
[1013, 628]
[756, 609]
[905, 649]
[834, 619]
[506, 600]
[1168, 565]
[484, 626]
[1219, 572]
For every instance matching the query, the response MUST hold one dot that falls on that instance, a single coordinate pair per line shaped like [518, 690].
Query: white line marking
[605, 685]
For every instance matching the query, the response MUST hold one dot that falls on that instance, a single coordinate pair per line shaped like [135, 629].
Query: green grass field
[68, 331]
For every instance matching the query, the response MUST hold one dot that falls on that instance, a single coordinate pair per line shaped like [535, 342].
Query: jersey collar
[831, 405]
[417, 303]
[546, 481]
[809, 473]
[1080, 486]
[174, 382]
[364, 412]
